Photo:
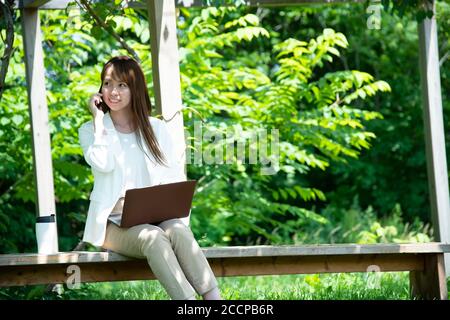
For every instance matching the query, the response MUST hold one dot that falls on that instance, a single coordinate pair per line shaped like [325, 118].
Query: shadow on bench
[424, 261]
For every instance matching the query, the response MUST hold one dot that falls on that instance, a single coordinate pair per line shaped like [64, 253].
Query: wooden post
[166, 69]
[35, 74]
[434, 132]
[430, 283]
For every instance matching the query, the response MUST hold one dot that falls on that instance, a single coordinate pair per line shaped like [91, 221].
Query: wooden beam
[424, 261]
[62, 4]
[42, 4]
[166, 70]
[30, 4]
[324, 249]
[430, 283]
[222, 267]
[434, 131]
[165, 57]
[82, 257]
[35, 75]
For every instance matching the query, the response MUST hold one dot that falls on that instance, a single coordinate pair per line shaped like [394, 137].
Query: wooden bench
[425, 263]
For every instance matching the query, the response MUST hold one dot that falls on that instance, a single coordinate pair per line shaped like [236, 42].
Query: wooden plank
[35, 74]
[314, 264]
[80, 257]
[324, 249]
[166, 71]
[434, 131]
[165, 57]
[62, 4]
[430, 283]
[61, 258]
[222, 267]
[59, 273]
[30, 4]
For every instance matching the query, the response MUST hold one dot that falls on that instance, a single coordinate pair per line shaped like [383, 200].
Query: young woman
[126, 148]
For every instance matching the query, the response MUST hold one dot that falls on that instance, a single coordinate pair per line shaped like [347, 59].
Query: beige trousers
[172, 253]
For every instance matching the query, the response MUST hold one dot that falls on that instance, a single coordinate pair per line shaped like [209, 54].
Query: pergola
[166, 77]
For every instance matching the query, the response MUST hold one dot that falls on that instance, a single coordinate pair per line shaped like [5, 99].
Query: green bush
[357, 225]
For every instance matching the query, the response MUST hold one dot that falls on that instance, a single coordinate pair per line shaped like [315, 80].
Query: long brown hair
[129, 71]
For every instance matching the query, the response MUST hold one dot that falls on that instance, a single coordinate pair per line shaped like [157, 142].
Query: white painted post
[434, 132]
[166, 69]
[43, 169]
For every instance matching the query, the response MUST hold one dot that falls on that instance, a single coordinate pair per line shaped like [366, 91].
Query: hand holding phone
[96, 104]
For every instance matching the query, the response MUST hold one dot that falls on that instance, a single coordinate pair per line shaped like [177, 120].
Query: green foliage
[420, 8]
[357, 225]
[351, 286]
[316, 119]
[394, 171]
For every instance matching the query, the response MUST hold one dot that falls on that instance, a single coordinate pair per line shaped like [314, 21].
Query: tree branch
[7, 14]
[444, 58]
[85, 5]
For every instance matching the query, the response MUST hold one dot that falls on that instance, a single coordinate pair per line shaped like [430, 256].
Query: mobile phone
[101, 105]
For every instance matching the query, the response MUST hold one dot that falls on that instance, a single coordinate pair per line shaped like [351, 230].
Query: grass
[343, 286]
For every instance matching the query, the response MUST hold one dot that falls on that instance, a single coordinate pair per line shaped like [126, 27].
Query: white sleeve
[96, 148]
[175, 160]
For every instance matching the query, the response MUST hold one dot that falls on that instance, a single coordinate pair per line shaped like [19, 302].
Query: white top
[134, 170]
[102, 151]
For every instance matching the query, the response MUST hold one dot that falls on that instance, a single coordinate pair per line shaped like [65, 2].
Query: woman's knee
[178, 230]
[152, 239]
[171, 224]
[181, 237]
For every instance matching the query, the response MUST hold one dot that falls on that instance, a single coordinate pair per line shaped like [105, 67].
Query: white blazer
[101, 151]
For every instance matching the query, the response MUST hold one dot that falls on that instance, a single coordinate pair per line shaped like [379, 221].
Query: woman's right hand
[94, 104]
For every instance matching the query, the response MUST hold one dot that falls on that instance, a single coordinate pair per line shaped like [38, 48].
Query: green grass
[356, 286]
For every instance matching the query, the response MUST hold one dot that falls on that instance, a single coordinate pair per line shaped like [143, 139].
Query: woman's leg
[151, 242]
[213, 294]
[191, 258]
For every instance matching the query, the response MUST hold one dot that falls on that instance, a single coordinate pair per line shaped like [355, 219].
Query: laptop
[152, 205]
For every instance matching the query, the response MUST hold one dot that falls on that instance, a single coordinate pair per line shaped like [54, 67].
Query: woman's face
[116, 94]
